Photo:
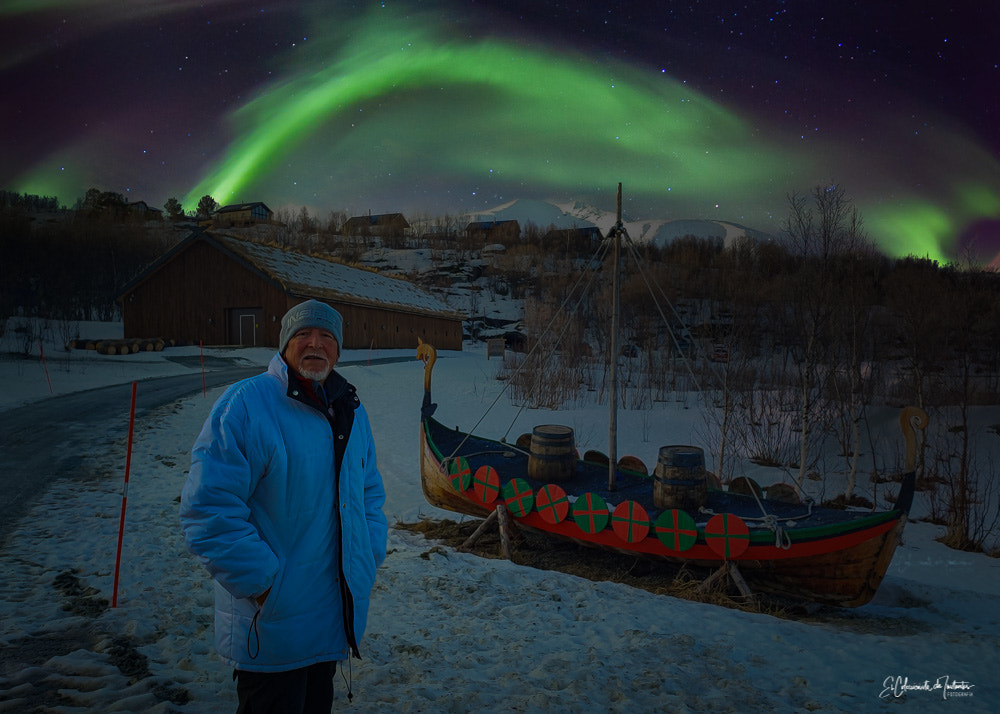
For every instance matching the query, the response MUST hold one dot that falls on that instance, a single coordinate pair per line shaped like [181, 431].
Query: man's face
[313, 353]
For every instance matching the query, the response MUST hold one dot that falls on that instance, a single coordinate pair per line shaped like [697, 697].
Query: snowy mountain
[574, 214]
[542, 214]
[661, 233]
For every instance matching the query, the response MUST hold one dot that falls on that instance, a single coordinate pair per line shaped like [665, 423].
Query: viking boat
[765, 541]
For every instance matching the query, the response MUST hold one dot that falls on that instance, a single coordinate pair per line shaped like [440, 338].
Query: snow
[448, 632]
[541, 214]
[303, 273]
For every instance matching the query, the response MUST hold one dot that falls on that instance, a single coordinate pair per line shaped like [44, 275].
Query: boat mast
[615, 318]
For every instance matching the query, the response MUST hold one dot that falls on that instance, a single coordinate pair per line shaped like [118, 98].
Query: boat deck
[805, 520]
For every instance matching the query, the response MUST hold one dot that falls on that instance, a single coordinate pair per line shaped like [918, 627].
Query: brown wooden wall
[367, 327]
[189, 299]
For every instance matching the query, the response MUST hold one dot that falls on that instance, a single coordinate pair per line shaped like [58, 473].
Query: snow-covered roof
[237, 207]
[312, 276]
[377, 219]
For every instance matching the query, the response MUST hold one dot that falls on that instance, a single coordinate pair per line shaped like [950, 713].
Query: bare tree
[819, 233]
[914, 291]
[304, 223]
[851, 388]
[335, 221]
[970, 318]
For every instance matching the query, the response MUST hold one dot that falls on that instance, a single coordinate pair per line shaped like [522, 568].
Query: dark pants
[308, 690]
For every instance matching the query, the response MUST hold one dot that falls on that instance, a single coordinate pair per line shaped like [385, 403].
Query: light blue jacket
[263, 508]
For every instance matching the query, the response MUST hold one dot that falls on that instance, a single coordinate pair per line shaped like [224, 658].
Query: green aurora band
[416, 102]
[406, 108]
[397, 102]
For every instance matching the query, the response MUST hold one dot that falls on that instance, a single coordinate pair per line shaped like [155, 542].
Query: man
[283, 505]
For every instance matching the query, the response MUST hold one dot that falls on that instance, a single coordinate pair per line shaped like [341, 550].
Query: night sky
[701, 109]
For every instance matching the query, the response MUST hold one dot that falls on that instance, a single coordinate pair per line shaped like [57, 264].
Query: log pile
[120, 347]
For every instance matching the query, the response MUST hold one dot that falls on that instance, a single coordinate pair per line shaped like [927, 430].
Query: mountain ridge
[575, 214]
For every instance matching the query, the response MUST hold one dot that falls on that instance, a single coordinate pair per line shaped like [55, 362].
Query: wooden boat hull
[831, 557]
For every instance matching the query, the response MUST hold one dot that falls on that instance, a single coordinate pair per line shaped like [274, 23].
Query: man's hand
[259, 599]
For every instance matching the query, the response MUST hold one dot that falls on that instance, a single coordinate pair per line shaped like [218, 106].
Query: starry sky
[703, 110]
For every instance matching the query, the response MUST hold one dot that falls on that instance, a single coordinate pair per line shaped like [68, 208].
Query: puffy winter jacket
[263, 507]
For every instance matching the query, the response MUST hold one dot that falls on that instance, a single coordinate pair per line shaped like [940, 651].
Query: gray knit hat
[311, 313]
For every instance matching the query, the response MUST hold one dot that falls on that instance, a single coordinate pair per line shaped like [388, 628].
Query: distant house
[220, 290]
[242, 215]
[143, 211]
[384, 224]
[494, 231]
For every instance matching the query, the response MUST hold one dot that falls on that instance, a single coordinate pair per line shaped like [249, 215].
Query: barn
[494, 230]
[383, 224]
[242, 214]
[219, 290]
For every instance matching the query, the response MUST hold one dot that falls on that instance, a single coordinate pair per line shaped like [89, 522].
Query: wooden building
[495, 231]
[143, 211]
[384, 224]
[242, 215]
[220, 290]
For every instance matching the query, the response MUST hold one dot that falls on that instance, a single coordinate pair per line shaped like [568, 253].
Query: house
[385, 224]
[494, 231]
[220, 290]
[143, 211]
[241, 215]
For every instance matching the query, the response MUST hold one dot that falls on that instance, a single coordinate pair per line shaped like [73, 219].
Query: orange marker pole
[121, 522]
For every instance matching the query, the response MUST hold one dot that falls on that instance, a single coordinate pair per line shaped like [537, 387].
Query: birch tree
[820, 230]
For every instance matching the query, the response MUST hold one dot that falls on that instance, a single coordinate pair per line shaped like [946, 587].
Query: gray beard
[316, 376]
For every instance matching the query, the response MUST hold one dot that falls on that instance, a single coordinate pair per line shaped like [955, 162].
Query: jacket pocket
[272, 607]
[361, 571]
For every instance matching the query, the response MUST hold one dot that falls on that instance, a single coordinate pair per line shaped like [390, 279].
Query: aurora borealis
[459, 106]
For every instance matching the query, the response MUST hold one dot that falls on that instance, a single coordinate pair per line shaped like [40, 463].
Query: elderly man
[283, 505]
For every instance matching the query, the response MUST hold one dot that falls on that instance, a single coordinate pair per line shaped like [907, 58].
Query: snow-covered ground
[448, 632]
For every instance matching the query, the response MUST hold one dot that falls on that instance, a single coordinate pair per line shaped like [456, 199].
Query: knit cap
[311, 313]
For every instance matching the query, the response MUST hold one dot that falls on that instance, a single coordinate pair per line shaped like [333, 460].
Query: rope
[446, 461]
[782, 539]
[597, 258]
[770, 521]
[673, 338]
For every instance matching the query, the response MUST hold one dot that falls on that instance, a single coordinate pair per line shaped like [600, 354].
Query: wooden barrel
[553, 453]
[679, 478]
